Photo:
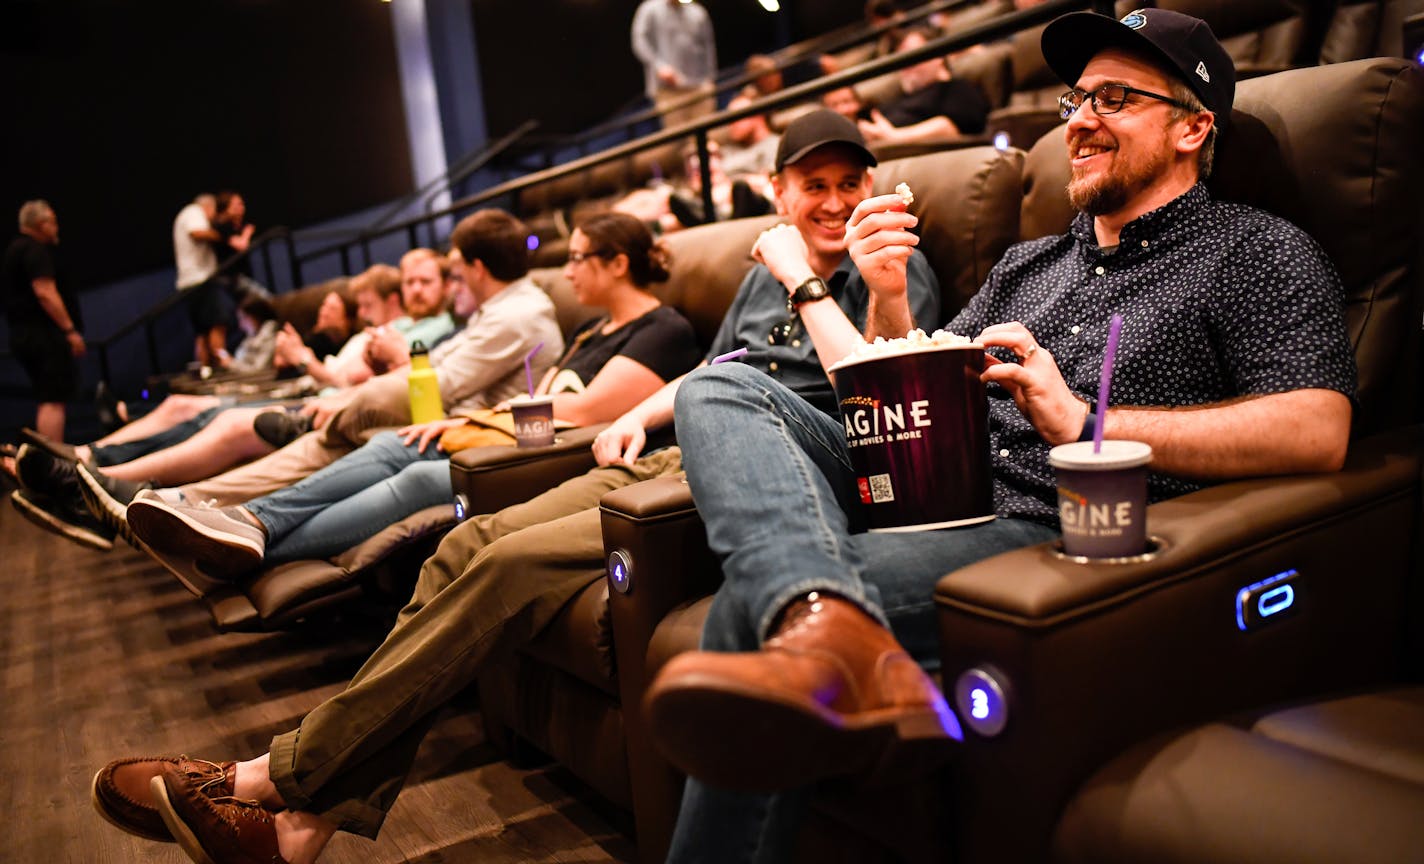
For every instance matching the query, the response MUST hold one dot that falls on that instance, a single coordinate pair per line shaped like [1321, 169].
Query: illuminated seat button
[981, 697]
[620, 571]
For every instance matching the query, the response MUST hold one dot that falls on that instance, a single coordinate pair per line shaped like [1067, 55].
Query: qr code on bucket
[881, 490]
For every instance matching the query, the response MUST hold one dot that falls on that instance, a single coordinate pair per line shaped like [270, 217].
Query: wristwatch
[812, 289]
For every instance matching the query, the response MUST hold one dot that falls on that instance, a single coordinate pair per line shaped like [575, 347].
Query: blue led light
[144, 394]
[532, 242]
[1268, 603]
[1001, 140]
[1275, 600]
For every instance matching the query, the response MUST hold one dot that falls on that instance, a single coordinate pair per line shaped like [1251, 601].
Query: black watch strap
[812, 289]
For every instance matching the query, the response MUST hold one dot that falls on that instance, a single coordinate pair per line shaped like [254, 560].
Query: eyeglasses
[1108, 99]
[580, 257]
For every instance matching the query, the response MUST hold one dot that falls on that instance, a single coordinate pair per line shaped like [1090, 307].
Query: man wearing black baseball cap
[1233, 361]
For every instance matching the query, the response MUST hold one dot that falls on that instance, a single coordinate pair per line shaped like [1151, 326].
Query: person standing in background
[673, 40]
[197, 261]
[43, 315]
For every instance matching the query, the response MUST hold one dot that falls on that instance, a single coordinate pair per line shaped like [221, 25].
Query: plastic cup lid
[1079, 455]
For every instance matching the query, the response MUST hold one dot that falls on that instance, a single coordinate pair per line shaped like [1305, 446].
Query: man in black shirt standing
[43, 316]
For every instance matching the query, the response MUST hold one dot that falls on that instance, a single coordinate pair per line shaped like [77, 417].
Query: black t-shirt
[27, 259]
[958, 100]
[661, 340]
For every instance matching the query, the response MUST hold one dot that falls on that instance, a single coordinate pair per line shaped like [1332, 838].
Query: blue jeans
[773, 482]
[352, 498]
[127, 451]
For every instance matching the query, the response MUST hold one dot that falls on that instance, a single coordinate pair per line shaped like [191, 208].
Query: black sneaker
[69, 519]
[280, 428]
[108, 499]
[41, 472]
[57, 449]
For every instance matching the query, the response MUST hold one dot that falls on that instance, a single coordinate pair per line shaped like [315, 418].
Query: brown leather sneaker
[224, 830]
[122, 795]
[831, 694]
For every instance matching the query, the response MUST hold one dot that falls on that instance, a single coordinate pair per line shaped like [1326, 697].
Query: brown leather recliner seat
[1095, 658]
[564, 693]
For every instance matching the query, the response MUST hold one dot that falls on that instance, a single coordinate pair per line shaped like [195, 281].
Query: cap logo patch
[1202, 73]
[1134, 20]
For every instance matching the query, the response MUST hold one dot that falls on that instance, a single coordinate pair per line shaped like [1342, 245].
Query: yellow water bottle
[425, 404]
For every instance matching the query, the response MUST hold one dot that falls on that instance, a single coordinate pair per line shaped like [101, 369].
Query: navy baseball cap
[817, 129]
[1184, 44]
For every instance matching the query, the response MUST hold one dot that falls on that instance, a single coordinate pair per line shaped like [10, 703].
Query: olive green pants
[495, 582]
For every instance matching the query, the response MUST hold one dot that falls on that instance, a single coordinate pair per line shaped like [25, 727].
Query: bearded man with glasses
[1233, 362]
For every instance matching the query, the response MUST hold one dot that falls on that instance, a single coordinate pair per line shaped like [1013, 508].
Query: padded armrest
[655, 525]
[493, 478]
[1034, 588]
[1095, 657]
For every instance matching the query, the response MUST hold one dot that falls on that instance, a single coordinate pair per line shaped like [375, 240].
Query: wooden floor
[104, 655]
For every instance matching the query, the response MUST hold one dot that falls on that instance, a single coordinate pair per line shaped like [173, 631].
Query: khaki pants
[495, 582]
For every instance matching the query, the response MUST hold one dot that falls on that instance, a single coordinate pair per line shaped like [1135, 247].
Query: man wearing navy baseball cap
[1233, 361]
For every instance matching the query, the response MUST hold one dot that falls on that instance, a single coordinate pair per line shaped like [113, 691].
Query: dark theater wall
[119, 112]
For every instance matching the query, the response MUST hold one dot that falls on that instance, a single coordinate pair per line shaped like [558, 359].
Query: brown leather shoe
[122, 795]
[224, 830]
[831, 694]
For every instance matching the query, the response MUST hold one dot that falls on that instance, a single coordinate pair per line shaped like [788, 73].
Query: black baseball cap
[817, 129]
[1185, 44]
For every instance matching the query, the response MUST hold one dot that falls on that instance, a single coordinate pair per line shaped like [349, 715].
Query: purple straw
[730, 355]
[1105, 383]
[528, 372]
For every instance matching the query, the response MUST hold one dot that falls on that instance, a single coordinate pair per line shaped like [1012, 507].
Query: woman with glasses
[612, 363]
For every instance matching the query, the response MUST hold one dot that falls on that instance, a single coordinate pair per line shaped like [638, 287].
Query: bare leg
[49, 420]
[300, 836]
[227, 441]
[178, 408]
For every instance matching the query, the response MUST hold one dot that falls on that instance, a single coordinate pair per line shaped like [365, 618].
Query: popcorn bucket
[917, 424]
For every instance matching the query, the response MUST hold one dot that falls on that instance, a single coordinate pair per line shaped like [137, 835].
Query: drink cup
[533, 420]
[1102, 497]
[917, 424]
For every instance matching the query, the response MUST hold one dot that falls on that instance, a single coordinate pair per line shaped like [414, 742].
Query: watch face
[811, 289]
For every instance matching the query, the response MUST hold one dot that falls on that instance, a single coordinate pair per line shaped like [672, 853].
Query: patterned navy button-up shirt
[1218, 301]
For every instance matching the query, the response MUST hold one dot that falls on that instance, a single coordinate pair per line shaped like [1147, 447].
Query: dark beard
[1108, 196]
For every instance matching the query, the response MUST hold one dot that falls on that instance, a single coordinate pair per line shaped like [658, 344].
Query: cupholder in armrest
[1155, 546]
